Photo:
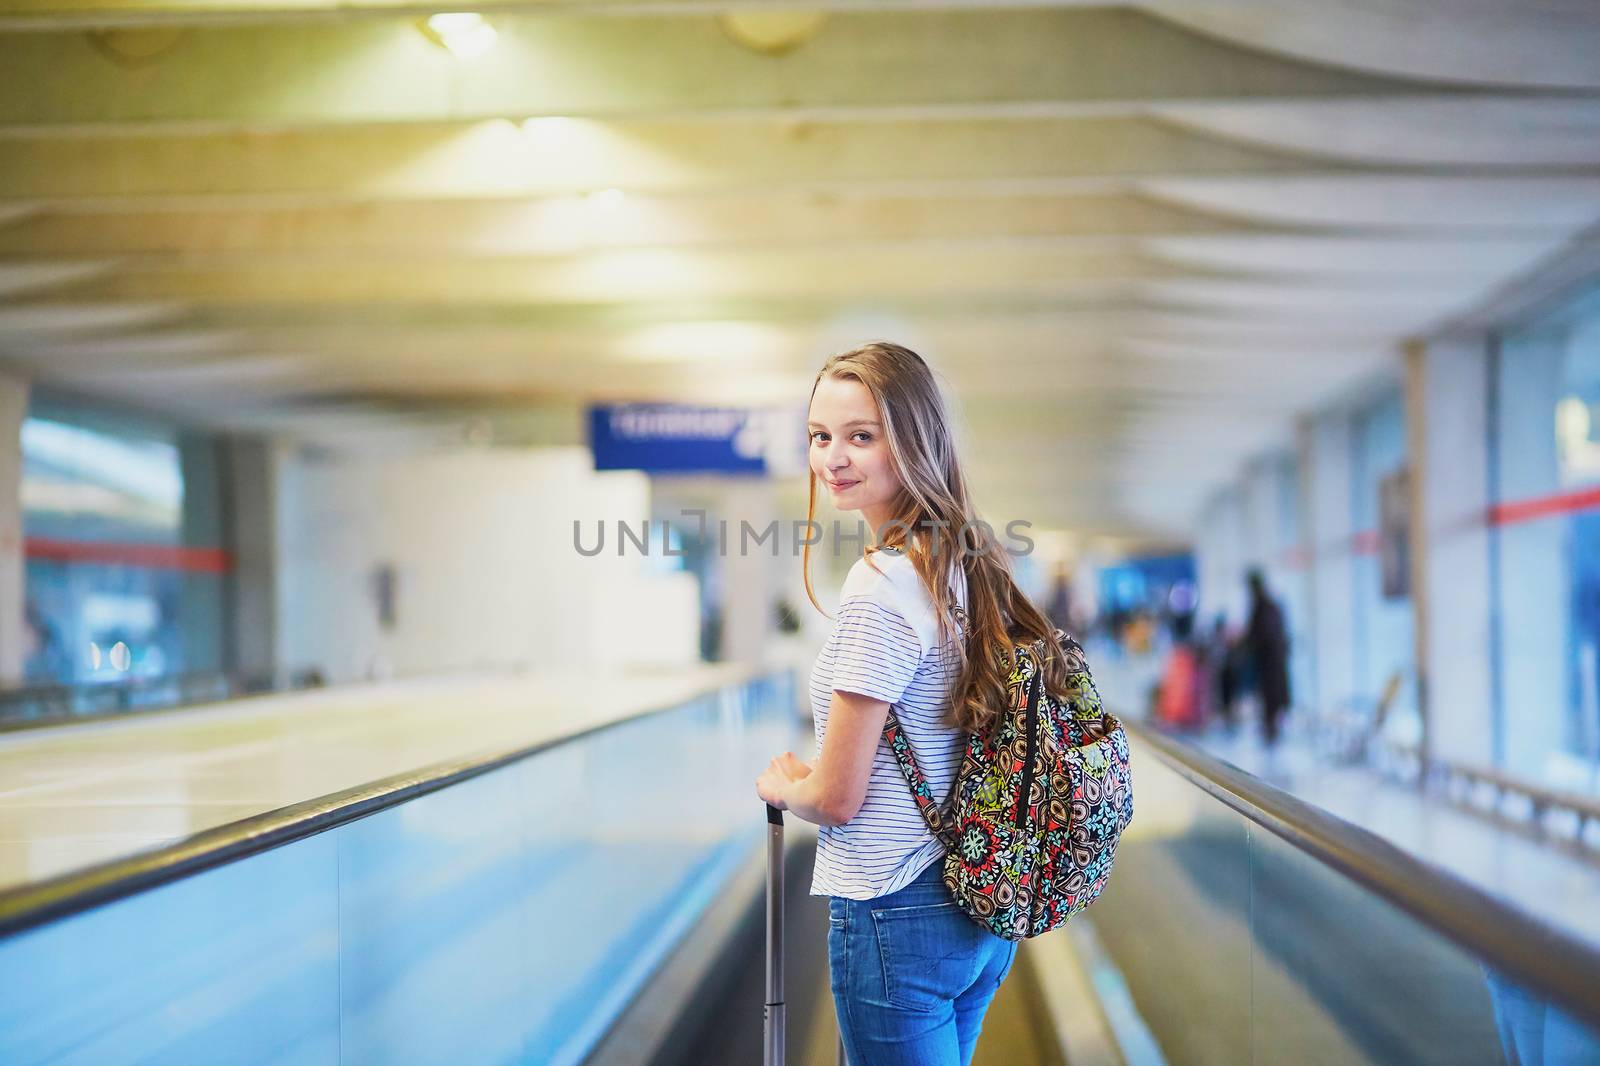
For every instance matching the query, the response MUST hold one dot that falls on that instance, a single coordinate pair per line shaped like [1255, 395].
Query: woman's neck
[877, 519]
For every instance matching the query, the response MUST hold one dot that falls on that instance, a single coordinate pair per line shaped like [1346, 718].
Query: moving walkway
[597, 899]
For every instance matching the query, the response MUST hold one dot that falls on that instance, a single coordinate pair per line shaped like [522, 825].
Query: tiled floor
[83, 794]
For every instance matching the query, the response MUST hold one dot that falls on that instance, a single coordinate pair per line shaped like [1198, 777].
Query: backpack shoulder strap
[940, 816]
[936, 815]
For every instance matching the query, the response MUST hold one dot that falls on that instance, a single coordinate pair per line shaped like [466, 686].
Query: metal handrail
[1553, 963]
[1541, 800]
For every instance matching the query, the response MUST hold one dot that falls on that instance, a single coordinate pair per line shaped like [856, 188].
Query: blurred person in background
[1181, 703]
[1224, 655]
[1268, 643]
[930, 591]
[1138, 633]
[1059, 609]
[45, 658]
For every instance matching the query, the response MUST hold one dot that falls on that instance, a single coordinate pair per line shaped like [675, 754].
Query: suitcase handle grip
[774, 816]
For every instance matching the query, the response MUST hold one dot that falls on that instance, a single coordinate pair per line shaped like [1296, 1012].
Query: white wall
[1223, 551]
[749, 571]
[488, 574]
[1259, 492]
[13, 407]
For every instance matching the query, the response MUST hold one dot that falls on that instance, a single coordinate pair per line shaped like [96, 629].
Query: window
[1382, 631]
[112, 592]
[1546, 531]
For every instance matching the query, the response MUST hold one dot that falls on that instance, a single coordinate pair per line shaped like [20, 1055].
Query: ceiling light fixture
[135, 47]
[546, 126]
[465, 34]
[772, 31]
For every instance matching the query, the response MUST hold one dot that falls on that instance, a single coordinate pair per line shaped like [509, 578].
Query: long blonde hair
[937, 513]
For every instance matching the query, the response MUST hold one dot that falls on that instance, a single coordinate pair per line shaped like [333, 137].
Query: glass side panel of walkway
[505, 917]
[1242, 925]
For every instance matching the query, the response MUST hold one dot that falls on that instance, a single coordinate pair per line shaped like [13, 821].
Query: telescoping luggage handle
[773, 1014]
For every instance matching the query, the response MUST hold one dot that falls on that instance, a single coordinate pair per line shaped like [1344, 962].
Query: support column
[13, 635]
[1450, 549]
[1327, 541]
[1305, 657]
[202, 600]
[250, 505]
[1416, 400]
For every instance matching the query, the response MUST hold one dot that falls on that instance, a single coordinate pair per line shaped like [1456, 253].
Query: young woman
[922, 617]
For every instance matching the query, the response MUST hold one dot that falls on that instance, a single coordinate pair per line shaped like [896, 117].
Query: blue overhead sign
[668, 438]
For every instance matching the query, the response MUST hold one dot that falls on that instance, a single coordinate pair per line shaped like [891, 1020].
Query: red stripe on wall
[1506, 514]
[164, 556]
[1364, 542]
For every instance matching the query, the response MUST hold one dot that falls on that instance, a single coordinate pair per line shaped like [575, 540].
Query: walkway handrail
[1550, 962]
[27, 906]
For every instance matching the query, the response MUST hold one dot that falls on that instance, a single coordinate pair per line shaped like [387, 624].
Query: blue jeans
[912, 975]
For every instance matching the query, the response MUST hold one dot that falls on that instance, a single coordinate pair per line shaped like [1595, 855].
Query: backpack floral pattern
[1038, 806]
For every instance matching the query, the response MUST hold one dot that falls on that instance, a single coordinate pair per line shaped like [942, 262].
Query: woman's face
[849, 452]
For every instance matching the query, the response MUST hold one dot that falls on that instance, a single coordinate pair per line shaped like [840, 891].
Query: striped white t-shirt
[885, 643]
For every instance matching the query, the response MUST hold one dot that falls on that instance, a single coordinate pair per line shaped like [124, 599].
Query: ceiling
[1137, 241]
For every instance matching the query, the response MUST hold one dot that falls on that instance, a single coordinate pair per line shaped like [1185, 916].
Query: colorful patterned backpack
[1038, 805]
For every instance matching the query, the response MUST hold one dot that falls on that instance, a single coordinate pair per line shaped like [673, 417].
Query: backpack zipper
[1031, 757]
